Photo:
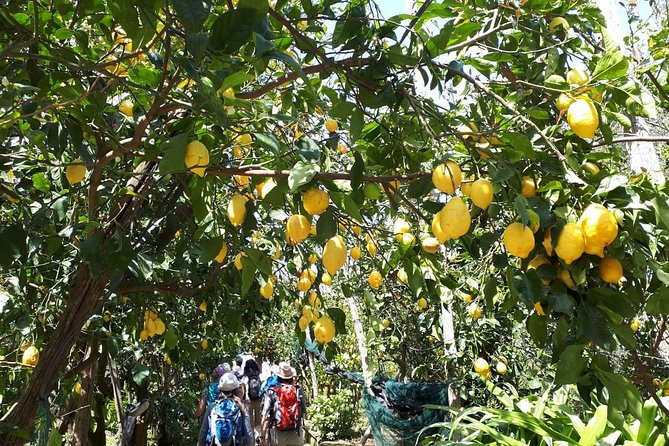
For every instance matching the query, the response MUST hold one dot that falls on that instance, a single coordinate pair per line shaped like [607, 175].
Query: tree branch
[648, 382]
[254, 171]
[632, 139]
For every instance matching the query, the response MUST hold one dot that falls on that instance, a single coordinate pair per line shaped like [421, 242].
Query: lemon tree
[175, 172]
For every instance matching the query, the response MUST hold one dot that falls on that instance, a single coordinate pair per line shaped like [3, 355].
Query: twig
[648, 383]
[632, 139]
[660, 335]
[657, 84]
[251, 171]
[480, 86]
[419, 13]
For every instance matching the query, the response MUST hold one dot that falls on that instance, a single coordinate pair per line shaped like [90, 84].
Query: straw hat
[284, 371]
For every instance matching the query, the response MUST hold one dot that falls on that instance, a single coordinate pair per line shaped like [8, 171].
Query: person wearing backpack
[282, 410]
[211, 392]
[226, 421]
[252, 385]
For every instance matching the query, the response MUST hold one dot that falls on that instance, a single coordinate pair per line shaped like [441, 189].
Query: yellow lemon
[334, 254]
[303, 323]
[168, 362]
[583, 118]
[571, 244]
[237, 209]
[143, 335]
[599, 227]
[528, 187]
[304, 283]
[324, 330]
[577, 76]
[159, 326]
[241, 181]
[341, 148]
[422, 303]
[238, 261]
[591, 167]
[229, 93]
[610, 270]
[481, 193]
[564, 101]
[557, 22]
[386, 323]
[474, 310]
[565, 277]
[77, 388]
[297, 228]
[447, 177]
[430, 244]
[76, 172]
[400, 227]
[466, 187]
[203, 306]
[331, 125]
[481, 366]
[204, 344]
[539, 309]
[267, 290]
[402, 276]
[30, 356]
[126, 107]
[501, 368]
[201, 376]
[222, 253]
[454, 220]
[196, 158]
[635, 324]
[245, 139]
[438, 232]
[548, 242]
[518, 240]
[375, 279]
[326, 279]
[467, 298]
[355, 253]
[536, 262]
[315, 201]
[314, 301]
[313, 258]
[372, 249]
[265, 188]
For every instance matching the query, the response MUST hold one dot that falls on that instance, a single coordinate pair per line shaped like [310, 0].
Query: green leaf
[140, 373]
[295, 66]
[261, 7]
[658, 302]
[521, 144]
[623, 396]
[238, 78]
[661, 206]
[13, 242]
[301, 174]
[232, 29]
[612, 65]
[170, 339]
[40, 182]
[91, 252]
[610, 183]
[490, 291]
[191, 13]
[261, 260]
[248, 274]
[537, 326]
[173, 150]
[268, 141]
[209, 248]
[642, 104]
[357, 122]
[595, 428]
[350, 207]
[55, 438]
[357, 171]
[308, 150]
[6, 428]
[326, 227]
[571, 366]
[339, 318]
[196, 45]
[263, 46]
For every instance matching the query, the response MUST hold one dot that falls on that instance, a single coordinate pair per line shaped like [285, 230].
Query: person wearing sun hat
[229, 397]
[283, 409]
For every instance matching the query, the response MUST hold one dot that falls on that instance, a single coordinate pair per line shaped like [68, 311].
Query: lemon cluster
[153, 325]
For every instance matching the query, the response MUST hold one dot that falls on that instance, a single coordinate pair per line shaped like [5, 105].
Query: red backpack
[287, 411]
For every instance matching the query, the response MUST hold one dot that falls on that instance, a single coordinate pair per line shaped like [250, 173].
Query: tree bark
[82, 420]
[85, 293]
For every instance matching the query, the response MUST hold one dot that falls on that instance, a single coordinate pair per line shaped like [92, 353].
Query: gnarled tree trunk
[85, 293]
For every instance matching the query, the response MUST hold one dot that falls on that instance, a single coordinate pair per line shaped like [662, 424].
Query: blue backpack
[226, 426]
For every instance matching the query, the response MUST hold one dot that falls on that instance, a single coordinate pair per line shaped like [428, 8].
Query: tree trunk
[360, 336]
[450, 351]
[85, 292]
[642, 155]
[82, 420]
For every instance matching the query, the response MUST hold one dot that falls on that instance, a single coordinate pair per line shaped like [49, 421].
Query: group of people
[244, 406]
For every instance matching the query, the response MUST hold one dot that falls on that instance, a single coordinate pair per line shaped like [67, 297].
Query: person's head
[251, 367]
[218, 371]
[285, 373]
[239, 360]
[228, 384]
